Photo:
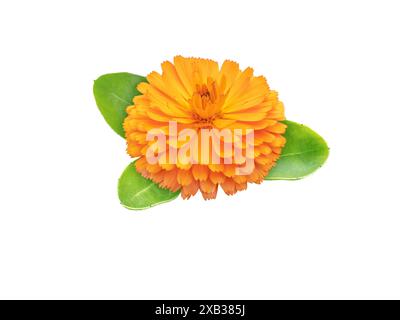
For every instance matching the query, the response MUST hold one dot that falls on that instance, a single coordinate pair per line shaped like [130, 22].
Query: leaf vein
[297, 153]
[143, 190]
[119, 98]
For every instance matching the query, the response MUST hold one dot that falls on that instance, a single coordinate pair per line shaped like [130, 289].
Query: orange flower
[196, 94]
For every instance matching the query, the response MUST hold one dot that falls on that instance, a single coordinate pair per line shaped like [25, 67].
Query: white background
[63, 233]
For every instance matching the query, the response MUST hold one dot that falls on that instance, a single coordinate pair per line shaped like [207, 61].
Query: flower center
[204, 122]
[206, 104]
[204, 93]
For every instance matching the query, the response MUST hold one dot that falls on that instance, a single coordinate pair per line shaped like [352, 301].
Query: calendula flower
[196, 94]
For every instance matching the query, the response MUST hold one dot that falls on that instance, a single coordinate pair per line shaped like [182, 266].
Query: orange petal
[185, 177]
[228, 186]
[216, 177]
[200, 172]
[189, 190]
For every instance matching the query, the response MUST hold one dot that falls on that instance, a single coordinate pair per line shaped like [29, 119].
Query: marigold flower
[196, 94]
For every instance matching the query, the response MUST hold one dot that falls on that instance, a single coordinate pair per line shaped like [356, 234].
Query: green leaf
[305, 151]
[137, 193]
[113, 93]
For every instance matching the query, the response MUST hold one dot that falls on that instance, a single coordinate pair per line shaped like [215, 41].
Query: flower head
[215, 122]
